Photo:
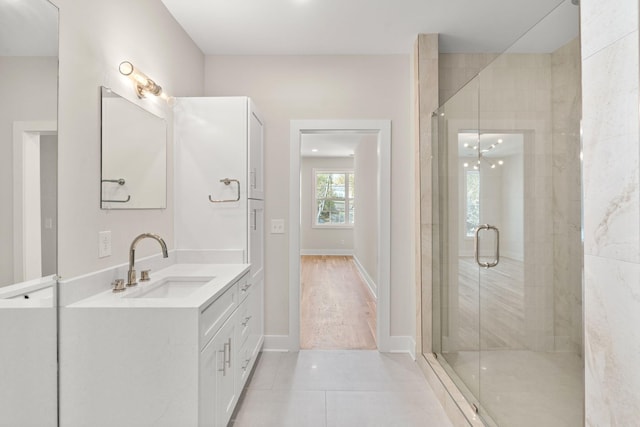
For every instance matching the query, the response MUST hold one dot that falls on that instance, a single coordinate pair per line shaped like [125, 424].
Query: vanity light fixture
[143, 84]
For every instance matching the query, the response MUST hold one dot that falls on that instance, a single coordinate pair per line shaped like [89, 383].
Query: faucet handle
[118, 286]
[144, 275]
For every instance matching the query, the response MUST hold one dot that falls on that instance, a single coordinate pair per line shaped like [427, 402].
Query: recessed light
[500, 162]
[314, 150]
[466, 165]
[500, 141]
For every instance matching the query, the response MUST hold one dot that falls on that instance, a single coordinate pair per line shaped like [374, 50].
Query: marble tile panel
[611, 192]
[612, 341]
[605, 22]
[428, 46]
[610, 98]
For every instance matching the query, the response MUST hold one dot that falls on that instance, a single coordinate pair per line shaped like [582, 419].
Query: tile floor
[338, 388]
[524, 388]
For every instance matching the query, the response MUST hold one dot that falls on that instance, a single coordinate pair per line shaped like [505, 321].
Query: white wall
[365, 243]
[29, 93]
[95, 36]
[327, 87]
[49, 202]
[320, 240]
[611, 176]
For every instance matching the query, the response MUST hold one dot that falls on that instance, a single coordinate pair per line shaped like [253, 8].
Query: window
[472, 185]
[334, 194]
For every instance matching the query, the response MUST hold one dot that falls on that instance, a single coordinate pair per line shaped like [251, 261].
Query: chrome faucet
[131, 275]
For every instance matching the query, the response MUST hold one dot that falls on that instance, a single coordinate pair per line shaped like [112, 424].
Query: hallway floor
[338, 388]
[337, 310]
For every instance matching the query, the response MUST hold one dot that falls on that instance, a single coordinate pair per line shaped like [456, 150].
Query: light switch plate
[277, 226]
[104, 244]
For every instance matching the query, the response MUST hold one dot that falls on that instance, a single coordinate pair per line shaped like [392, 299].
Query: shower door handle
[477, 246]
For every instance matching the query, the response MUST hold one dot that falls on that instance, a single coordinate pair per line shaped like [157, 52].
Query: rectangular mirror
[134, 155]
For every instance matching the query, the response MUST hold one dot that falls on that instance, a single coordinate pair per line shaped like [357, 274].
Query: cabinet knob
[246, 320]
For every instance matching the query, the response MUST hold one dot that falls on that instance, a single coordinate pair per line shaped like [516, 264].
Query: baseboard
[348, 252]
[403, 344]
[276, 343]
[367, 279]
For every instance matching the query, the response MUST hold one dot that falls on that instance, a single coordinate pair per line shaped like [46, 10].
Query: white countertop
[223, 276]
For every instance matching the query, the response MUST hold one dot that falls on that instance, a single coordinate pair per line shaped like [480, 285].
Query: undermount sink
[170, 287]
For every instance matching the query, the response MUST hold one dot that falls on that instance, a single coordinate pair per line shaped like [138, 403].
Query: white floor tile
[384, 409]
[338, 388]
[348, 370]
[264, 375]
[270, 408]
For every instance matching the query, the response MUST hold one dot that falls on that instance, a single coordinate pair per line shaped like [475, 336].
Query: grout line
[326, 410]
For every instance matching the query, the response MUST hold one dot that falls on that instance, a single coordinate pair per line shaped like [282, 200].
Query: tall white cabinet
[219, 217]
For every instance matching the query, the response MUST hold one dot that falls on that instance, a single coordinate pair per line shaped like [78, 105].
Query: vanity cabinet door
[256, 147]
[256, 239]
[217, 379]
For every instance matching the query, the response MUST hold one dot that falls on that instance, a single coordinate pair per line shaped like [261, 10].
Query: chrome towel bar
[227, 181]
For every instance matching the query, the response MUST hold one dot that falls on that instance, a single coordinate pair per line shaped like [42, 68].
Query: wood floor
[337, 310]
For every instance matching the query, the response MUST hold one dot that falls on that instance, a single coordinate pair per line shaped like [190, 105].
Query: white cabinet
[156, 361]
[256, 153]
[219, 168]
[256, 239]
[249, 332]
[228, 358]
[220, 208]
[218, 391]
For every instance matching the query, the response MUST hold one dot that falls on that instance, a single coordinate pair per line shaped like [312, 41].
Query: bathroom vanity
[173, 351]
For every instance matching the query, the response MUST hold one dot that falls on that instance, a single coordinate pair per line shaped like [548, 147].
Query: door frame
[26, 195]
[383, 130]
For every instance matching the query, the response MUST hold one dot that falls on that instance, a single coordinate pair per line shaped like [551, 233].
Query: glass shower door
[457, 211]
[500, 256]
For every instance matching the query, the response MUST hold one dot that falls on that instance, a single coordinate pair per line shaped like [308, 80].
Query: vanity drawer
[244, 321]
[213, 316]
[245, 288]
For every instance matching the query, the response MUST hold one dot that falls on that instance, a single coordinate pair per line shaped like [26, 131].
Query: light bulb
[466, 165]
[500, 162]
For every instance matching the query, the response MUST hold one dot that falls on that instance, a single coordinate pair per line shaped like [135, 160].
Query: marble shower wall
[611, 150]
[538, 95]
[515, 96]
[567, 244]
[426, 72]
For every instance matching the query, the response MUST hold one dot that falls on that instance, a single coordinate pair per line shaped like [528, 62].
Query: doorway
[34, 199]
[378, 137]
[337, 251]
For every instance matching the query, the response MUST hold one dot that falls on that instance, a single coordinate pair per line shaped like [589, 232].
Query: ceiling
[493, 145]
[317, 27]
[28, 28]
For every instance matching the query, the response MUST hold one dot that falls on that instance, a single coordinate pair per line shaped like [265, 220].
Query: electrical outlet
[277, 226]
[104, 244]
